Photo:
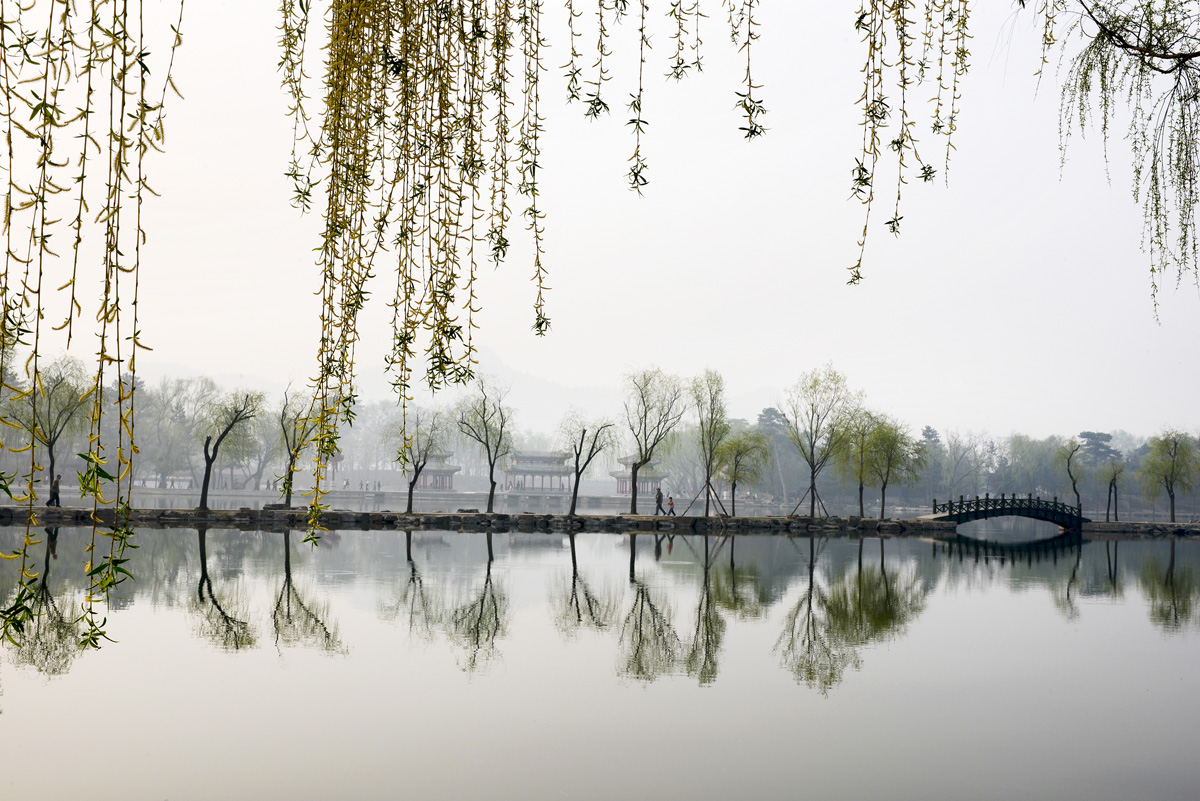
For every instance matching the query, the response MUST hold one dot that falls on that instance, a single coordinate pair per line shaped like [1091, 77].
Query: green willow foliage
[425, 142]
[80, 115]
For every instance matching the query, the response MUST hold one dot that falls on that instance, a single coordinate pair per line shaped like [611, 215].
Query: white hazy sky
[1017, 298]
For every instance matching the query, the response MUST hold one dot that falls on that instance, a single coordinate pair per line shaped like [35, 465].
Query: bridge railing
[1014, 504]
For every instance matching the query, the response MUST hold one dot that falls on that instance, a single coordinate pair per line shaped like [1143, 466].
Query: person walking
[658, 507]
[55, 485]
[671, 507]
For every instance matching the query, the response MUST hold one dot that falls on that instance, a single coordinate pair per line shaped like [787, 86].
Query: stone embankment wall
[273, 518]
[278, 519]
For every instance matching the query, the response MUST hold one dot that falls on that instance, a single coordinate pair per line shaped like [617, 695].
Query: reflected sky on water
[528, 666]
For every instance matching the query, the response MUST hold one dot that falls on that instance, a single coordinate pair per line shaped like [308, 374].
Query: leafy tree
[816, 410]
[853, 461]
[894, 457]
[51, 408]
[708, 394]
[654, 405]
[484, 419]
[1096, 448]
[1170, 465]
[585, 440]
[743, 459]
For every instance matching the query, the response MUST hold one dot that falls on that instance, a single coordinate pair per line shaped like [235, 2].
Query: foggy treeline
[174, 415]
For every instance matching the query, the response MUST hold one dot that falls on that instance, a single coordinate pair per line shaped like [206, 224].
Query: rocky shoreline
[276, 518]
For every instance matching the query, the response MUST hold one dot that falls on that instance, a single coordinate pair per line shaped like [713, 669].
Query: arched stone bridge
[964, 511]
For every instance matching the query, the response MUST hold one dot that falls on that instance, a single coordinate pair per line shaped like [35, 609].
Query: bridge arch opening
[1009, 530]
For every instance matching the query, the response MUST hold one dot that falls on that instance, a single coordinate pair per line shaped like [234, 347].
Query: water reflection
[299, 621]
[413, 602]
[224, 621]
[50, 641]
[1171, 590]
[576, 605]
[475, 624]
[826, 601]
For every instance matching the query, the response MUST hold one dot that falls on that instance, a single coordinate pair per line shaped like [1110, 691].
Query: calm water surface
[386, 666]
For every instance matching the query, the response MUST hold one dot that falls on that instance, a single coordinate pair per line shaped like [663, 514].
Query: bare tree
[296, 427]
[485, 419]
[654, 404]
[1114, 470]
[586, 440]
[234, 410]
[422, 435]
[1068, 456]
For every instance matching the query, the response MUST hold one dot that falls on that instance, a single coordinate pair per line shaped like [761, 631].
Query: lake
[384, 664]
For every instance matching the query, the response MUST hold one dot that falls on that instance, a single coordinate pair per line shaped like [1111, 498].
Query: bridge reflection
[1030, 551]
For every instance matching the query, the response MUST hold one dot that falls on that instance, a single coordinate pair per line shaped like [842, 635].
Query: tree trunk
[882, 500]
[574, 498]
[733, 499]
[1116, 506]
[861, 513]
[208, 463]
[633, 471]
[632, 555]
[1108, 502]
[1171, 495]
[491, 497]
[287, 480]
[412, 485]
[812, 493]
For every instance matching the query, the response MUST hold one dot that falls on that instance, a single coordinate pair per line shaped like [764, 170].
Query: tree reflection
[1113, 575]
[414, 602]
[805, 645]
[477, 624]
[576, 605]
[648, 645]
[223, 621]
[704, 649]
[1172, 592]
[50, 642]
[1066, 594]
[873, 605]
[301, 622]
[827, 627]
[740, 589]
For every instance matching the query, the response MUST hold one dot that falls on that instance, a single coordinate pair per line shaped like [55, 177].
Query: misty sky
[1017, 298]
